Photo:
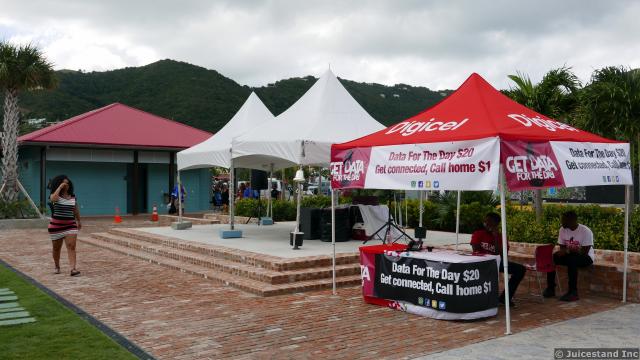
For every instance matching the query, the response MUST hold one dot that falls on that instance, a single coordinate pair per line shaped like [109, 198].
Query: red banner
[530, 165]
[349, 168]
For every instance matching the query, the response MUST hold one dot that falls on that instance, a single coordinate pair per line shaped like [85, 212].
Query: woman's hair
[55, 183]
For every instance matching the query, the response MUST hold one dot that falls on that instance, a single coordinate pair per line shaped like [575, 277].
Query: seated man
[489, 241]
[576, 250]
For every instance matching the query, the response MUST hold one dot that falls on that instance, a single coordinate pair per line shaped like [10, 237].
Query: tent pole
[627, 214]
[458, 220]
[270, 205]
[179, 198]
[232, 195]
[299, 200]
[333, 236]
[505, 257]
[420, 196]
[406, 209]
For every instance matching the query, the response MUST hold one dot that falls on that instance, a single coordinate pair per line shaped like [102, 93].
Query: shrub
[20, 209]
[607, 224]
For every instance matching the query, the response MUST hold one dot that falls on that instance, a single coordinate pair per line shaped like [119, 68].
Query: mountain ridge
[204, 98]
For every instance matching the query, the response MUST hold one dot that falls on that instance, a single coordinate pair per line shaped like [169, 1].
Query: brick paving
[174, 315]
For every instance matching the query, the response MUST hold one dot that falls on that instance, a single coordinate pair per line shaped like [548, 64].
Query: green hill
[203, 98]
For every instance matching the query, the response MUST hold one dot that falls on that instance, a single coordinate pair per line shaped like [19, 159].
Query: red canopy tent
[475, 138]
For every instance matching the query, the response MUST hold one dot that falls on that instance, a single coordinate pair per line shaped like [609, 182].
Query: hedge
[606, 223]
[20, 209]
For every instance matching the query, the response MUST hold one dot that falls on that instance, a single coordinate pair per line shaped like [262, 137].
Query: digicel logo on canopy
[407, 128]
[550, 125]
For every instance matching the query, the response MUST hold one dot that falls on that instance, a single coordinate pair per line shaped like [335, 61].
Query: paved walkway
[175, 315]
[609, 329]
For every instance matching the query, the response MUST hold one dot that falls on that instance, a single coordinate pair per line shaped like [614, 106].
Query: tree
[22, 68]
[610, 104]
[555, 96]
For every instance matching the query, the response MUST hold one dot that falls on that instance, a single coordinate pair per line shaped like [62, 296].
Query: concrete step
[234, 268]
[168, 219]
[235, 255]
[246, 284]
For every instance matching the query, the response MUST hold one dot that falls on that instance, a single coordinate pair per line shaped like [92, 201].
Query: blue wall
[157, 186]
[197, 184]
[101, 186]
[29, 171]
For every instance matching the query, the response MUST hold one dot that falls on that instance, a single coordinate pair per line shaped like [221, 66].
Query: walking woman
[65, 221]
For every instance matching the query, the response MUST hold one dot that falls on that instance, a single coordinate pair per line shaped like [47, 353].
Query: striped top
[63, 221]
[63, 209]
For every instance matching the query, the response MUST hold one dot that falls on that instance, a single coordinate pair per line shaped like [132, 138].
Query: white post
[406, 209]
[299, 200]
[505, 259]
[232, 195]
[458, 220]
[333, 236]
[269, 186]
[179, 198]
[421, 212]
[627, 214]
[399, 211]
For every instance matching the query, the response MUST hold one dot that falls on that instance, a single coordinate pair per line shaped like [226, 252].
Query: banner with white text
[459, 165]
[585, 164]
[452, 287]
[538, 165]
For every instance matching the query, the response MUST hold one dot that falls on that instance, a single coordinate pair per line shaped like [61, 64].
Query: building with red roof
[116, 156]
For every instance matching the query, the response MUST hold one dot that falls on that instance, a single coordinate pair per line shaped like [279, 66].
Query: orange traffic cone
[154, 214]
[117, 219]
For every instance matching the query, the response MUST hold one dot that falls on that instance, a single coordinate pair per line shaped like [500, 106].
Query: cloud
[430, 43]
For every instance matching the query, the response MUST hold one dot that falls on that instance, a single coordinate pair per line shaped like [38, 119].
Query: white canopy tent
[303, 134]
[216, 150]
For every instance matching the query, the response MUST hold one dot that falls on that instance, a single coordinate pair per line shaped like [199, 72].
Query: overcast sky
[429, 43]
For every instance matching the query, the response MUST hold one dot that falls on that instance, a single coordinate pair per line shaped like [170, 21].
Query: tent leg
[179, 199]
[299, 200]
[627, 214]
[333, 237]
[421, 212]
[458, 220]
[406, 209]
[232, 196]
[505, 257]
[270, 205]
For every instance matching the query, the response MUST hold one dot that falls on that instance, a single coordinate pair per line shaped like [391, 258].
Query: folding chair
[543, 264]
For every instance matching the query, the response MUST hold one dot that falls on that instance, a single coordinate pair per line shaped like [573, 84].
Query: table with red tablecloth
[443, 284]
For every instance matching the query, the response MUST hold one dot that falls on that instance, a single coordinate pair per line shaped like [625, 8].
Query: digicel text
[407, 128]
[550, 125]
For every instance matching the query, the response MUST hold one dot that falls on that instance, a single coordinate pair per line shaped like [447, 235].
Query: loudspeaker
[259, 180]
[310, 223]
[420, 232]
[343, 229]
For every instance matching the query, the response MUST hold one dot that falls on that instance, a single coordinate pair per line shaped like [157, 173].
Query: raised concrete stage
[261, 262]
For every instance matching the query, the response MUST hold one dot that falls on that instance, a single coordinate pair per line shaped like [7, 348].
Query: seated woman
[488, 240]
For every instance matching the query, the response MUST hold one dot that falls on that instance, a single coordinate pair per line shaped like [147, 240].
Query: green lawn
[58, 333]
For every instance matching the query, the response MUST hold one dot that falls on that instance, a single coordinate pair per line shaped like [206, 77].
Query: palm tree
[610, 104]
[22, 68]
[555, 96]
